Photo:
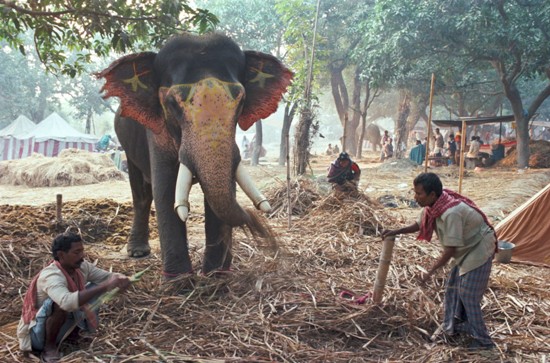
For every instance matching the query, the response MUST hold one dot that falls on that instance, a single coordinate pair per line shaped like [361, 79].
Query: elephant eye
[173, 107]
[236, 90]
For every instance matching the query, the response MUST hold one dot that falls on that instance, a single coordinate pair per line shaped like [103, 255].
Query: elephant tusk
[248, 187]
[183, 187]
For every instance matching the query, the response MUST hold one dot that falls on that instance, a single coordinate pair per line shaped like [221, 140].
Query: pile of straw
[285, 308]
[539, 151]
[303, 193]
[71, 167]
[351, 213]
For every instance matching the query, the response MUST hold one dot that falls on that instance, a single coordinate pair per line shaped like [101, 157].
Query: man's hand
[118, 280]
[423, 278]
[388, 233]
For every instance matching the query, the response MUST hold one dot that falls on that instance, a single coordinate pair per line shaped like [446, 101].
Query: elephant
[372, 134]
[179, 109]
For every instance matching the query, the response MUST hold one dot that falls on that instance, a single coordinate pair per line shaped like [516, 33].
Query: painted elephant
[177, 120]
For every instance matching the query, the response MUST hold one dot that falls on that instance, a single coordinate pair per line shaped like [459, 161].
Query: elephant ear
[131, 79]
[266, 80]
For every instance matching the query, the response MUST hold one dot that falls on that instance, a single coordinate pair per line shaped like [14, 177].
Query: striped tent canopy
[54, 134]
[12, 144]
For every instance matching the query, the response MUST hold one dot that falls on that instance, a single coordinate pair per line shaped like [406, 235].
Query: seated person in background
[344, 173]
[388, 149]
[58, 296]
[418, 153]
[335, 149]
[103, 143]
[474, 148]
[330, 150]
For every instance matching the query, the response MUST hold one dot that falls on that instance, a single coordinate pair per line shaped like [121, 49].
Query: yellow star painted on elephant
[135, 83]
[261, 77]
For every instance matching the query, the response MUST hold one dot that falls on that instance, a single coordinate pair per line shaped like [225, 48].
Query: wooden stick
[429, 124]
[462, 146]
[59, 204]
[383, 267]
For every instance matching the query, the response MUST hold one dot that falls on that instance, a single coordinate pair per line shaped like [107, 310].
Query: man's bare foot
[50, 356]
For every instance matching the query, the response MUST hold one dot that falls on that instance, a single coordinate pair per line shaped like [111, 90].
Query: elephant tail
[258, 227]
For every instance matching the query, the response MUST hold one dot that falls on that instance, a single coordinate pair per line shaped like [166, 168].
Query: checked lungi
[463, 296]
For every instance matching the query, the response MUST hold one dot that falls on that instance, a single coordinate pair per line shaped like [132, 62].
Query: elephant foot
[220, 273]
[138, 250]
[178, 284]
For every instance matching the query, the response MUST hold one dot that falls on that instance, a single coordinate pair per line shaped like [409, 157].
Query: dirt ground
[281, 311]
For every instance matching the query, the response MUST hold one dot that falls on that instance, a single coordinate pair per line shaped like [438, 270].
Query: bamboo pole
[383, 267]
[462, 146]
[429, 123]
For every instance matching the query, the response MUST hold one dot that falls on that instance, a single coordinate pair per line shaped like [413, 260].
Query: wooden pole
[288, 179]
[383, 267]
[429, 123]
[59, 205]
[462, 146]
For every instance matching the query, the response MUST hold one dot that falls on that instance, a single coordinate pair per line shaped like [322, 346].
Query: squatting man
[56, 303]
[469, 241]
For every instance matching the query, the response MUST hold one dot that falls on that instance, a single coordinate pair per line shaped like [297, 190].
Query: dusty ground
[300, 317]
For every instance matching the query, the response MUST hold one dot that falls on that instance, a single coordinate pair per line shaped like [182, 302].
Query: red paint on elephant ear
[266, 81]
[131, 79]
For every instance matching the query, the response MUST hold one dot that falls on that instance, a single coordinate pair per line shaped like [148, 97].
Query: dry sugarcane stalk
[383, 267]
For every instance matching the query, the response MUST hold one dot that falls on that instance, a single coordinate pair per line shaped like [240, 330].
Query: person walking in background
[451, 149]
[469, 242]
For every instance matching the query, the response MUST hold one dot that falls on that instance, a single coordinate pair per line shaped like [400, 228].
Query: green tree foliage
[253, 24]
[26, 88]
[506, 37]
[29, 90]
[95, 27]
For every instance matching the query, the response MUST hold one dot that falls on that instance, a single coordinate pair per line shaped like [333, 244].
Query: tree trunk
[257, 144]
[363, 120]
[412, 120]
[339, 92]
[301, 151]
[522, 124]
[401, 123]
[89, 122]
[290, 111]
[351, 127]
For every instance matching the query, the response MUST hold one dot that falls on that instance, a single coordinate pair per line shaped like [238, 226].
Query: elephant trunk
[210, 108]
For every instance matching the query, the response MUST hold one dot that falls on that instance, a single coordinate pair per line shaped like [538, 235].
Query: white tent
[12, 145]
[54, 134]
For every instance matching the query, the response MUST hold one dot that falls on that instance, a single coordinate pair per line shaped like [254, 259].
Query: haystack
[71, 167]
[539, 155]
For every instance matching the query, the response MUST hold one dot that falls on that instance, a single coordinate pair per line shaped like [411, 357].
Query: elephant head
[191, 96]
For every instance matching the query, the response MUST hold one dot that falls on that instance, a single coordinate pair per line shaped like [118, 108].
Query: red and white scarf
[446, 200]
[30, 307]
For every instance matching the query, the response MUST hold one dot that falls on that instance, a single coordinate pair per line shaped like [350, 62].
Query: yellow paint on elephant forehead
[211, 110]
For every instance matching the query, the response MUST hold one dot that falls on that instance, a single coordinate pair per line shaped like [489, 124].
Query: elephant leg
[219, 240]
[142, 196]
[172, 230]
